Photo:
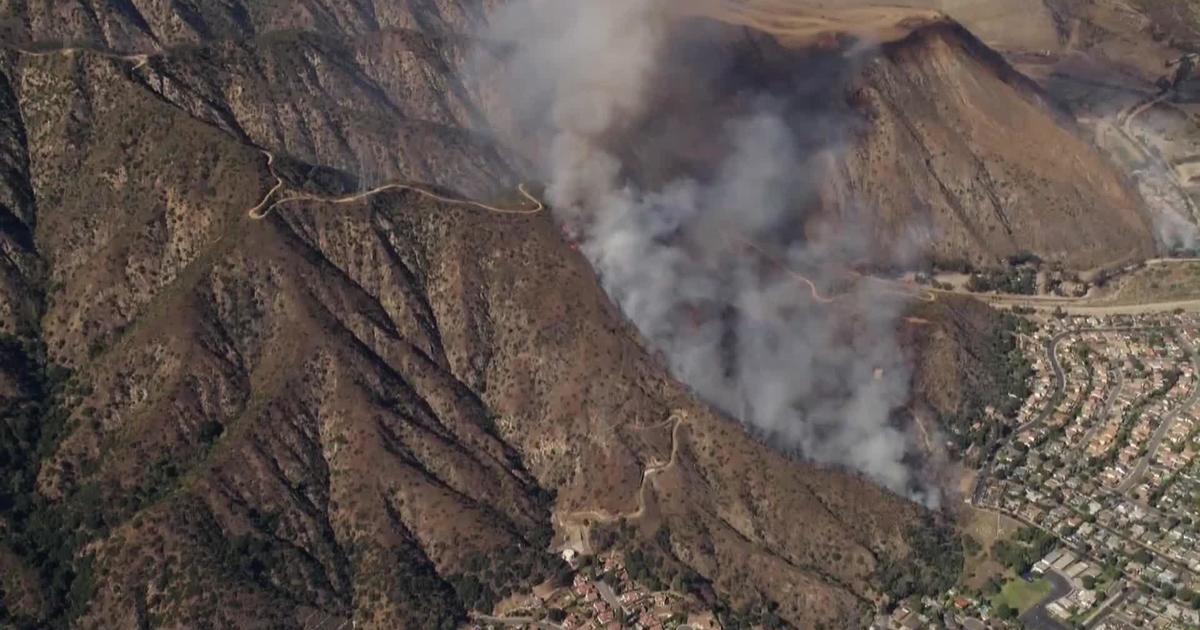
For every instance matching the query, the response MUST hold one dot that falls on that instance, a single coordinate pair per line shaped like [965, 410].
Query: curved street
[1114, 537]
[1060, 385]
[1060, 379]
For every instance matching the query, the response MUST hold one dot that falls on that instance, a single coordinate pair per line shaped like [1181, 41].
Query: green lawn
[1023, 595]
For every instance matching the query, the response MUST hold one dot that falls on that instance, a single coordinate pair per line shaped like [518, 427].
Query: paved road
[1060, 386]
[1190, 306]
[1161, 554]
[609, 596]
[1060, 381]
[1153, 156]
[1164, 425]
[1080, 551]
[1076, 306]
[1085, 553]
[1038, 618]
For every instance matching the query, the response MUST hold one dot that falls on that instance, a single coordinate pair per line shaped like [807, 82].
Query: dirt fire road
[263, 209]
[140, 59]
[575, 525]
[882, 286]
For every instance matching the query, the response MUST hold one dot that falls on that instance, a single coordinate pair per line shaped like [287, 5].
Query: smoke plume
[1170, 208]
[689, 175]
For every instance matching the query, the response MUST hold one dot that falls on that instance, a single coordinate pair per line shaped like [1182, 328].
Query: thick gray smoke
[698, 258]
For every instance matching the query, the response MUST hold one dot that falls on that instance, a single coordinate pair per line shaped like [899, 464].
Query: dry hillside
[340, 412]
[956, 147]
[353, 412]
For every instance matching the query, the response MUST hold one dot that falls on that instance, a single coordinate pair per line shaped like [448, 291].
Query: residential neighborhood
[1101, 461]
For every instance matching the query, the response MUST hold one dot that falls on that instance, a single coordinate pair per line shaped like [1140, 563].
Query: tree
[970, 545]
[1004, 611]
[210, 431]
[992, 587]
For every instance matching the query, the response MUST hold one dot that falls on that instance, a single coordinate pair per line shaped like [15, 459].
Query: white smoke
[1168, 204]
[678, 256]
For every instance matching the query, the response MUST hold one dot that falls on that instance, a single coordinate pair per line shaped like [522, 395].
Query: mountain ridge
[360, 411]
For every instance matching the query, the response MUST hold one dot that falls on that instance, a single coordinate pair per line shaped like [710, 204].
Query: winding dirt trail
[1125, 122]
[260, 211]
[268, 203]
[264, 207]
[576, 524]
[538, 206]
[1128, 116]
[779, 264]
[141, 59]
[886, 286]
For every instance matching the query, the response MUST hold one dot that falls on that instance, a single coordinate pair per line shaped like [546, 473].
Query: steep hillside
[806, 22]
[140, 25]
[934, 147]
[967, 362]
[933, 90]
[370, 411]
[955, 151]
[228, 403]
[982, 187]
